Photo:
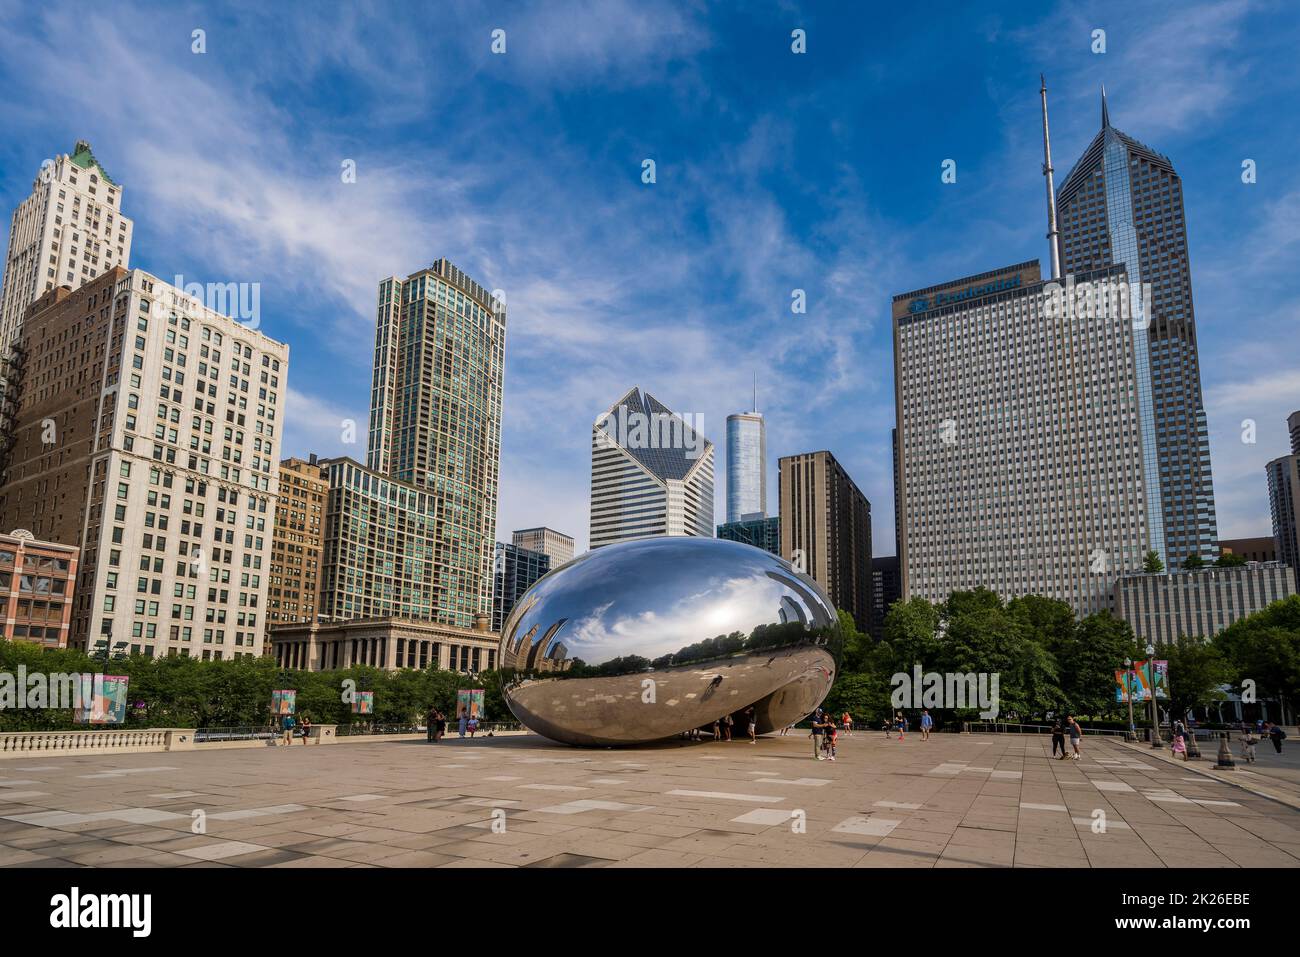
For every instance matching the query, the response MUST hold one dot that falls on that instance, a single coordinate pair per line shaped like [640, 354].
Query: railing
[362, 728]
[70, 741]
[244, 733]
[1000, 727]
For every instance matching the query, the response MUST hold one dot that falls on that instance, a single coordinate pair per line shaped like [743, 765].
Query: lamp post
[1155, 710]
[1128, 693]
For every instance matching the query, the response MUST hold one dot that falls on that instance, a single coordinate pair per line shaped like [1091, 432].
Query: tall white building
[651, 473]
[556, 545]
[67, 232]
[746, 466]
[1020, 445]
[149, 434]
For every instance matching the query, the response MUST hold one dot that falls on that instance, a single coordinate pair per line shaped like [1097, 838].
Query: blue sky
[775, 172]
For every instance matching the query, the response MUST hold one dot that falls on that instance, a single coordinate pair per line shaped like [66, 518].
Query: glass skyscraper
[1123, 204]
[746, 467]
[516, 570]
[764, 533]
[435, 423]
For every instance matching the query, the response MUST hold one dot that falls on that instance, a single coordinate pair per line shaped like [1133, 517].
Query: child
[828, 738]
[1248, 742]
[1180, 746]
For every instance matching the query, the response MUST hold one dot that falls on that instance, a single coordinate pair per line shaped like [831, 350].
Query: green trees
[1265, 649]
[1151, 563]
[1230, 560]
[1194, 560]
[189, 693]
[1197, 671]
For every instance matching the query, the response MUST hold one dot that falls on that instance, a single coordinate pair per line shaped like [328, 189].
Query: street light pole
[1155, 711]
[1128, 693]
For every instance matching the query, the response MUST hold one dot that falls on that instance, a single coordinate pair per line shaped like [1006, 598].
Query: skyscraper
[435, 422]
[764, 533]
[1019, 453]
[1123, 204]
[296, 543]
[515, 571]
[556, 545]
[746, 465]
[1284, 500]
[826, 529]
[149, 436]
[67, 232]
[651, 473]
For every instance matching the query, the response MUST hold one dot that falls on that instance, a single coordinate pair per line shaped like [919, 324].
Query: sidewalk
[1244, 776]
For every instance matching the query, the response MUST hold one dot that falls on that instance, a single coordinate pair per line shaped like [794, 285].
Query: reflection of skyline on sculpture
[713, 626]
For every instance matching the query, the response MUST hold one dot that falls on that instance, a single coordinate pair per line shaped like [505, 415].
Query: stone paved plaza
[954, 801]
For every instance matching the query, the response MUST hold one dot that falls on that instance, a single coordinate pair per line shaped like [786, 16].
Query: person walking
[286, 728]
[927, 723]
[847, 721]
[900, 724]
[472, 725]
[828, 742]
[1058, 739]
[751, 719]
[462, 720]
[728, 722]
[1076, 736]
[816, 734]
[1179, 746]
[1248, 741]
[431, 724]
[1276, 734]
[306, 728]
[717, 729]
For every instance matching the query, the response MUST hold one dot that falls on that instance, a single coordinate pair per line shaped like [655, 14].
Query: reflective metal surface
[644, 640]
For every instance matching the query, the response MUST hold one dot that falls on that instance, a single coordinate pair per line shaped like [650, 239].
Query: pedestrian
[286, 728]
[442, 724]
[1179, 729]
[1076, 736]
[462, 720]
[828, 739]
[431, 724]
[1058, 739]
[728, 722]
[1179, 746]
[473, 726]
[1248, 741]
[886, 726]
[927, 722]
[847, 721]
[751, 719]
[717, 729]
[306, 728]
[900, 724]
[816, 734]
[1276, 734]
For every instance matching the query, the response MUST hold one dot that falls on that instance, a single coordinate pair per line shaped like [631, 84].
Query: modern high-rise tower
[67, 232]
[1284, 499]
[435, 422]
[746, 467]
[651, 473]
[1123, 204]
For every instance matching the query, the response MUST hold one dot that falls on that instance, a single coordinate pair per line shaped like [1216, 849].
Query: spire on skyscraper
[1053, 235]
[1105, 113]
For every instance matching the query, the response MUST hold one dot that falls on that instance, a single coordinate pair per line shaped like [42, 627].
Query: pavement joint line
[1270, 792]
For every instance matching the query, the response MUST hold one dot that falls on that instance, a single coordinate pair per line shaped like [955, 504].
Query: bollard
[1193, 751]
[1225, 756]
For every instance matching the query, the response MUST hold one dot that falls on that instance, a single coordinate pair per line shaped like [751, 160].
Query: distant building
[651, 473]
[886, 588]
[297, 541]
[1198, 603]
[764, 533]
[556, 545]
[37, 585]
[514, 572]
[1284, 499]
[388, 643]
[826, 529]
[1263, 549]
[746, 466]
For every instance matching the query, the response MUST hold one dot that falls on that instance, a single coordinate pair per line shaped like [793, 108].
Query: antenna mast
[1053, 235]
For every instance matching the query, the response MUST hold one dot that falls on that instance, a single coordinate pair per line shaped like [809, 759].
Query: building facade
[148, 436]
[389, 643]
[764, 533]
[1198, 603]
[746, 467]
[1123, 204]
[37, 585]
[67, 232]
[556, 545]
[886, 588]
[1284, 507]
[1020, 453]
[514, 572]
[826, 529]
[435, 424]
[293, 594]
[651, 473]
[1263, 549]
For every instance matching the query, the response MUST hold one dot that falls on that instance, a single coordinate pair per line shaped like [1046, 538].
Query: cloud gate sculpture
[641, 641]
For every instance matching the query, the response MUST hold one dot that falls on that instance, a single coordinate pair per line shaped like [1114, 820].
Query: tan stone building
[148, 434]
[390, 643]
[294, 591]
[826, 529]
[37, 583]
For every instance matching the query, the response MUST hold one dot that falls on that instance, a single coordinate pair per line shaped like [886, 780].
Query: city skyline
[826, 365]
